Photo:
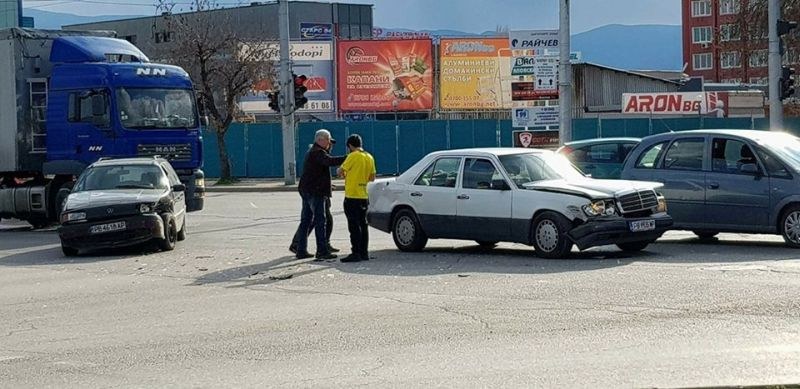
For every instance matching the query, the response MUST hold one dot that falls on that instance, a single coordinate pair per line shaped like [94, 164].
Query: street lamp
[395, 104]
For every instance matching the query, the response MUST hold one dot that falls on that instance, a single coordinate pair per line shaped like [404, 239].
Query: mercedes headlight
[600, 208]
[146, 208]
[73, 217]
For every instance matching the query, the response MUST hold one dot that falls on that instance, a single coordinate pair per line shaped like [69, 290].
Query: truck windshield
[152, 108]
[122, 177]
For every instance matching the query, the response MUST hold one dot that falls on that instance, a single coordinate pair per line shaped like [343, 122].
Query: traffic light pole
[286, 86]
[775, 104]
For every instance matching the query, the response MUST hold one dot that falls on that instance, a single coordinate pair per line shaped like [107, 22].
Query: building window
[701, 8]
[758, 59]
[791, 57]
[729, 7]
[759, 32]
[701, 34]
[731, 81]
[702, 61]
[730, 60]
[729, 32]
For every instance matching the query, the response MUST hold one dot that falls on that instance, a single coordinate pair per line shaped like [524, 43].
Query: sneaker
[332, 249]
[303, 255]
[351, 258]
[325, 256]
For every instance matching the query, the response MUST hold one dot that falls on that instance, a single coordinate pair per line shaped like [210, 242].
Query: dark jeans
[313, 213]
[356, 212]
[328, 226]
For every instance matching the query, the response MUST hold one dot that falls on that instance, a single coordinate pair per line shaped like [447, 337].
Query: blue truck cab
[103, 98]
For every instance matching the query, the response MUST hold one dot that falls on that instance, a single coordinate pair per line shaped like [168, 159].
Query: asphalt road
[219, 311]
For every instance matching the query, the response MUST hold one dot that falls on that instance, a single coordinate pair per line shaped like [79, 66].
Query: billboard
[474, 73]
[536, 139]
[385, 75]
[676, 103]
[316, 31]
[312, 59]
[541, 42]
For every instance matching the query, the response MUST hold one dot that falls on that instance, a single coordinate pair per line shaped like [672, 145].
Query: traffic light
[787, 82]
[784, 27]
[299, 91]
[274, 101]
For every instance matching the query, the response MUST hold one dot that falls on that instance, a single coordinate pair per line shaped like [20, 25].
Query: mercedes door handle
[463, 197]
[416, 194]
[713, 185]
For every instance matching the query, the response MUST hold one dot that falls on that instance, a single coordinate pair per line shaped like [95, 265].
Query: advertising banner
[535, 116]
[312, 59]
[676, 103]
[541, 42]
[385, 75]
[316, 31]
[474, 73]
[537, 139]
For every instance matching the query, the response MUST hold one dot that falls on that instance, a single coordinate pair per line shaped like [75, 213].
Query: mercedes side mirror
[179, 188]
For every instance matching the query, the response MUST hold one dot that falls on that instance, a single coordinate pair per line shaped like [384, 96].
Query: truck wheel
[486, 244]
[182, 232]
[705, 235]
[407, 232]
[550, 235]
[170, 234]
[61, 199]
[633, 246]
[38, 224]
[69, 251]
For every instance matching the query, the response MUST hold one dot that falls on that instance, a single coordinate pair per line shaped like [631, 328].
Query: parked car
[725, 180]
[602, 157]
[124, 202]
[528, 196]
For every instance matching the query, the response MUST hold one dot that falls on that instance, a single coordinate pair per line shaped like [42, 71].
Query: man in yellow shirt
[358, 170]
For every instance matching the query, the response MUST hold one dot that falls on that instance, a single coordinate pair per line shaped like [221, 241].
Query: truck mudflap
[195, 190]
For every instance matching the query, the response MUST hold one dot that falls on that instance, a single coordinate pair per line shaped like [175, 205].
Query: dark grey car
[725, 180]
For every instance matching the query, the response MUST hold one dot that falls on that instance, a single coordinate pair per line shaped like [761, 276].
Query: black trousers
[328, 225]
[356, 212]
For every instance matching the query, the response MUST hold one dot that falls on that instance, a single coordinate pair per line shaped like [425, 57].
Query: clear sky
[463, 15]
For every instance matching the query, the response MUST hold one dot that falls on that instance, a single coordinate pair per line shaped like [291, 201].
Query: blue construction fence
[256, 150]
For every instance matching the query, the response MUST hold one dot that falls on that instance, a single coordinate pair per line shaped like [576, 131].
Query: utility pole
[286, 95]
[564, 76]
[775, 104]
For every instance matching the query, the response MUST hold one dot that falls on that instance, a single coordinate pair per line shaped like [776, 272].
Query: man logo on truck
[151, 72]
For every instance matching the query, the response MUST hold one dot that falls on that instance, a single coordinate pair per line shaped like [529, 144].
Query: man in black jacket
[328, 222]
[315, 190]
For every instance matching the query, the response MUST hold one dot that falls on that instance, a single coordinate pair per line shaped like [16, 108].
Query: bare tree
[223, 63]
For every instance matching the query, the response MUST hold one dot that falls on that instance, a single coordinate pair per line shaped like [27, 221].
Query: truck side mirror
[98, 105]
[99, 108]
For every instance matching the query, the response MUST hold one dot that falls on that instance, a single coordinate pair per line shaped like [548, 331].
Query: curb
[257, 189]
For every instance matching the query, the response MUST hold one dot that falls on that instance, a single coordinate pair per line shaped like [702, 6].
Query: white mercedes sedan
[529, 196]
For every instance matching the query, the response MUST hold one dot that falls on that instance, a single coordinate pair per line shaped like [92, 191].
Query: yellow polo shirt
[358, 167]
